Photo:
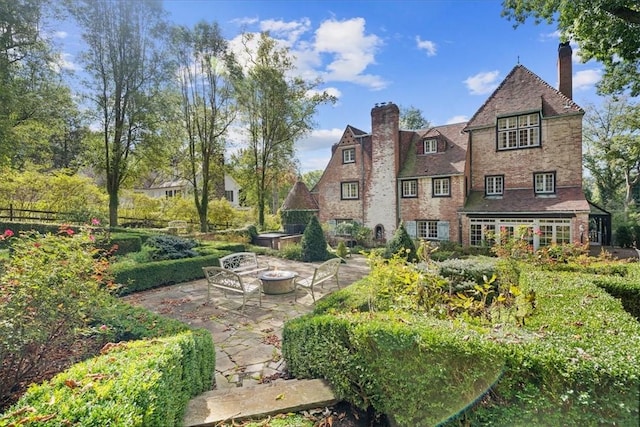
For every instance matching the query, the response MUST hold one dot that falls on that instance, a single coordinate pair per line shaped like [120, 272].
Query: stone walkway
[247, 345]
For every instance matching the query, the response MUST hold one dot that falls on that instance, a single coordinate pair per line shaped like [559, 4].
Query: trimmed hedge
[575, 362]
[628, 291]
[135, 278]
[140, 383]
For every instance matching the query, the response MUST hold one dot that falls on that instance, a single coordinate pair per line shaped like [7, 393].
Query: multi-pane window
[349, 190]
[228, 195]
[538, 232]
[544, 182]
[519, 131]
[494, 185]
[410, 188]
[441, 187]
[349, 155]
[427, 229]
[430, 146]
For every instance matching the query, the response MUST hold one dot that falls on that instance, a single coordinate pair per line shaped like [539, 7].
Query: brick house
[517, 162]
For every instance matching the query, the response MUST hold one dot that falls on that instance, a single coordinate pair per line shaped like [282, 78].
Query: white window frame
[544, 232]
[349, 190]
[348, 155]
[430, 146]
[521, 131]
[544, 182]
[427, 229]
[494, 185]
[441, 187]
[410, 188]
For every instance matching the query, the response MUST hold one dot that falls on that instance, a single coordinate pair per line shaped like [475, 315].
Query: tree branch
[625, 13]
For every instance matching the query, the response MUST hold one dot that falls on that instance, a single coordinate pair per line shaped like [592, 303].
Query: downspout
[362, 177]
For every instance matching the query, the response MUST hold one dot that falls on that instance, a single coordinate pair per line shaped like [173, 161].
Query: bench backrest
[239, 261]
[327, 269]
[222, 277]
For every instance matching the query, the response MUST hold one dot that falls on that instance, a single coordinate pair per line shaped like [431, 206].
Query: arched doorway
[379, 232]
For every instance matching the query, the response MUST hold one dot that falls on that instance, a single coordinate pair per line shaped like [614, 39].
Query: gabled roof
[523, 91]
[299, 198]
[521, 201]
[350, 134]
[451, 161]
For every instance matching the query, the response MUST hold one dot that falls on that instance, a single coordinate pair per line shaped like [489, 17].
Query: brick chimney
[565, 70]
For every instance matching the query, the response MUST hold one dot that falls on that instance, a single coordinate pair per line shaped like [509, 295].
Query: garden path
[248, 351]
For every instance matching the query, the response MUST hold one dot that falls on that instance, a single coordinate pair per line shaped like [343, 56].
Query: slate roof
[451, 161]
[522, 201]
[523, 91]
[299, 198]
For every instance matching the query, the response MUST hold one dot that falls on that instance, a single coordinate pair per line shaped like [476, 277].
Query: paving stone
[242, 357]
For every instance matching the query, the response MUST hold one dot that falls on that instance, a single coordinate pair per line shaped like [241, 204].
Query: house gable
[522, 91]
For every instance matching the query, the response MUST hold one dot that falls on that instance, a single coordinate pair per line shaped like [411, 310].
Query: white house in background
[182, 187]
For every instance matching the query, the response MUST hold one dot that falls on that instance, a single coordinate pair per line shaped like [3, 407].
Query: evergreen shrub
[313, 243]
[139, 383]
[134, 278]
[165, 247]
[402, 245]
[573, 362]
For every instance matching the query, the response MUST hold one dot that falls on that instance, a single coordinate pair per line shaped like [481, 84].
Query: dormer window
[430, 146]
[349, 155]
[521, 131]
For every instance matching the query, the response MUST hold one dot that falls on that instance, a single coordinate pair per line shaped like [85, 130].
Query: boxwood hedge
[138, 277]
[574, 362]
[138, 383]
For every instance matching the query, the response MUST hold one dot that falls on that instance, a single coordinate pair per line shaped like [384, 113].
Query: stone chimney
[565, 70]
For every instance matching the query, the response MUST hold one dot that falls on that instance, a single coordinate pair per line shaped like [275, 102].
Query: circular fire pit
[278, 282]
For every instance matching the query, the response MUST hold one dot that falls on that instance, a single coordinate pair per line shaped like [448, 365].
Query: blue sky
[443, 57]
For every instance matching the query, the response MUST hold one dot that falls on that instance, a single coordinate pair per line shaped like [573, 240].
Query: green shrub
[51, 288]
[624, 236]
[402, 245]
[341, 250]
[141, 383]
[314, 245]
[292, 252]
[165, 247]
[573, 362]
[462, 272]
[134, 278]
[122, 243]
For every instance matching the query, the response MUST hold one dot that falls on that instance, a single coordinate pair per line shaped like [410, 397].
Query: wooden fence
[33, 215]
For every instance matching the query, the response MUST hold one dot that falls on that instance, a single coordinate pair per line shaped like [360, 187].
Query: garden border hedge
[575, 362]
[135, 278]
[137, 383]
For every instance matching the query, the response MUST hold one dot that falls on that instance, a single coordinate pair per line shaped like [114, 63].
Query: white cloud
[245, 21]
[482, 83]
[291, 30]
[586, 79]
[64, 61]
[60, 34]
[457, 119]
[427, 45]
[314, 151]
[335, 92]
[352, 51]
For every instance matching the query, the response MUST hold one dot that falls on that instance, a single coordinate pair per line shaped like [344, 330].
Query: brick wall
[380, 195]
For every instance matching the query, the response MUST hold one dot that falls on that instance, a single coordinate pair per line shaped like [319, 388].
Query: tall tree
[208, 108]
[25, 77]
[126, 68]
[277, 109]
[606, 30]
[412, 118]
[612, 152]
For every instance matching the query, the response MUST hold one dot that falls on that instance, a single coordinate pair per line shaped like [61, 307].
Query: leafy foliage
[165, 247]
[138, 383]
[52, 287]
[606, 30]
[314, 245]
[402, 245]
